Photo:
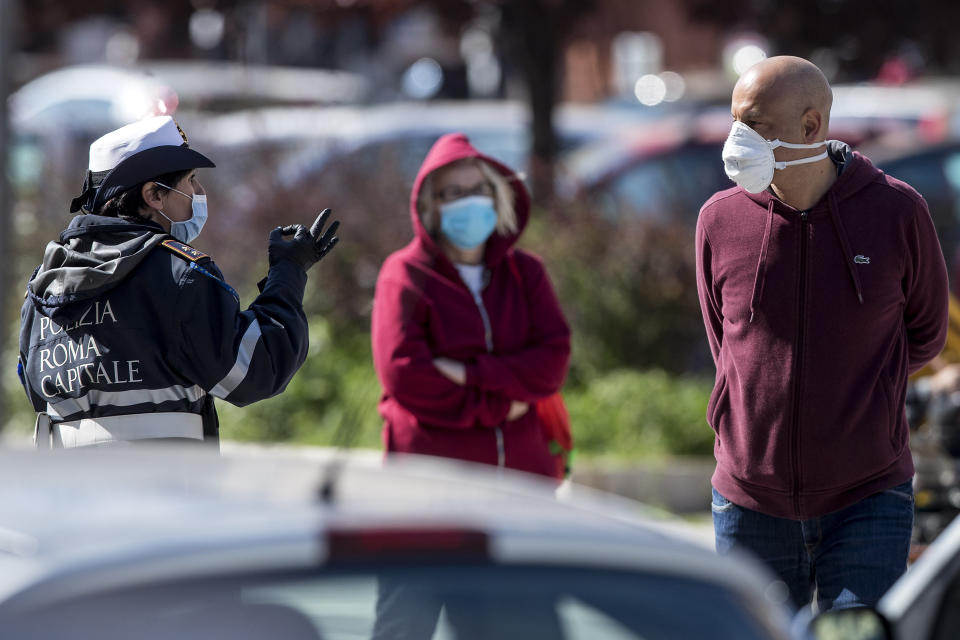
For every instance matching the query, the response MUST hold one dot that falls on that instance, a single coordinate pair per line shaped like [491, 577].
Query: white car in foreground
[112, 545]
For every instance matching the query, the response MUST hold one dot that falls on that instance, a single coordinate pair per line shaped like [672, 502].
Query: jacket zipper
[488, 341]
[798, 363]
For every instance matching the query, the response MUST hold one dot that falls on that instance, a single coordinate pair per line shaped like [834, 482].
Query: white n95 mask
[748, 157]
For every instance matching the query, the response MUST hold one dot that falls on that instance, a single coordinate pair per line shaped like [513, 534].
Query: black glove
[306, 247]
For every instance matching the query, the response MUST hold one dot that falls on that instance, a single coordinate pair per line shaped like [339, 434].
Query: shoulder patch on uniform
[184, 250]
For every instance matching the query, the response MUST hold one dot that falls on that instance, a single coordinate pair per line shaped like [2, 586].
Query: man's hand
[454, 371]
[305, 248]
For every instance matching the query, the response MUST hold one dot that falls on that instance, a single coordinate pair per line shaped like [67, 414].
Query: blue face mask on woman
[468, 222]
[186, 231]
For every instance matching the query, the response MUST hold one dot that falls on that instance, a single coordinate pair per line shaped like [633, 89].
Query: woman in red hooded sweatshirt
[467, 331]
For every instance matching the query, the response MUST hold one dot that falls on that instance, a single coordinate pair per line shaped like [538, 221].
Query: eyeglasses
[455, 191]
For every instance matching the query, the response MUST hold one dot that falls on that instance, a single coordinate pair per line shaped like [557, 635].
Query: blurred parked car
[56, 116]
[217, 86]
[87, 99]
[360, 161]
[665, 169]
[108, 546]
[98, 98]
[363, 135]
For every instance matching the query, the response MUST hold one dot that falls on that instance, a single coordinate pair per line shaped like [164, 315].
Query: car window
[668, 186]
[94, 114]
[477, 601]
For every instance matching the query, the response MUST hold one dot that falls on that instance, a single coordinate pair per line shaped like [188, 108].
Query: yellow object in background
[951, 350]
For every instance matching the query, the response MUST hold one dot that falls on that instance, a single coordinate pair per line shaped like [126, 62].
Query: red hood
[450, 148]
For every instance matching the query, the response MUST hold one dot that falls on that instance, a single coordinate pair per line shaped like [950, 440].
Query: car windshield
[477, 601]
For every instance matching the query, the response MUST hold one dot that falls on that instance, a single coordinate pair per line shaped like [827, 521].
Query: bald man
[822, 286]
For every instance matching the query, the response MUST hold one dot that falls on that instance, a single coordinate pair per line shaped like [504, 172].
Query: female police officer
[127, 332]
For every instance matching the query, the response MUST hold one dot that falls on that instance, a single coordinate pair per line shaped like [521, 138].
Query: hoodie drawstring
[845, 244]
[761, 263]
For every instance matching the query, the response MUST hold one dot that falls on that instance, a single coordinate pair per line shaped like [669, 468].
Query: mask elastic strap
[783, 164]
[172, 189]
[789, 145]
[160, 211]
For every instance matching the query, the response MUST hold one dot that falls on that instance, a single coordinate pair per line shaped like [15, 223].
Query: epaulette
[185, 251]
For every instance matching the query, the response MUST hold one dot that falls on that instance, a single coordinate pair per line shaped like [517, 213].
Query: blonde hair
[504, 199]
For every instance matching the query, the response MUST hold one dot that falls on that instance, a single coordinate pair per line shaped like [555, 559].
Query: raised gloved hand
[305, 248]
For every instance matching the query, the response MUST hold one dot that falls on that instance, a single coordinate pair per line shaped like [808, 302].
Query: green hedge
[627, 413]
[332, 400]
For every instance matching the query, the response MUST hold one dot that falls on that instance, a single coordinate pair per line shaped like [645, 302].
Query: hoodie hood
[855, 172]
[92, 255]
[451, 148]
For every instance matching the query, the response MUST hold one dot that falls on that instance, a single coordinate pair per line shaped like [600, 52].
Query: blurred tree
[535, 32]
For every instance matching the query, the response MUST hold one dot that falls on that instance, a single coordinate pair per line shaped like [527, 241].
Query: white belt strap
[89, 431]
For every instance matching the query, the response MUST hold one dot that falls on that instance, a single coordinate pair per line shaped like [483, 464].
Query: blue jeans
[848, 558]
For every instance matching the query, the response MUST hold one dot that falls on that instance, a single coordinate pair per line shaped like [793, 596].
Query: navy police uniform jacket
[122, 320]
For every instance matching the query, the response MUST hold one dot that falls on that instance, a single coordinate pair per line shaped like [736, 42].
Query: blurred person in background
[467, 331]
[822, 286]
[128, 332]
[467, 335]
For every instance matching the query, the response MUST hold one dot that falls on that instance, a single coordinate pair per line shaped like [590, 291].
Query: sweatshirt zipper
[488, 341]
[798, 363]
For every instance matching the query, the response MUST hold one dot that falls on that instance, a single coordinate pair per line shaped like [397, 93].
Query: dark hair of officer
[128, 204]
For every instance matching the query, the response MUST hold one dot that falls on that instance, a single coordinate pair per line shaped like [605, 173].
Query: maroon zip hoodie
[815, 319]
[423, 310]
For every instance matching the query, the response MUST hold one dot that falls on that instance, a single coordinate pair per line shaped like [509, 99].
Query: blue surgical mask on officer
[468, 222]
[186, 231]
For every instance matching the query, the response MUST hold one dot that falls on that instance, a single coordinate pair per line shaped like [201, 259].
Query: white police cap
[134, 154]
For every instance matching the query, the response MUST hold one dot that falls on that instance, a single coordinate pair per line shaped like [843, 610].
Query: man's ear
[812, 123]
[150, 193]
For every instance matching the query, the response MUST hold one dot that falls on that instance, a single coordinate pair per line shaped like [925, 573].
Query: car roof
[195, 83]
[212, 83]
[72, 98]
[71, 521]
[309, 138]
[860, 113]
[383, 121]
[905, 102]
